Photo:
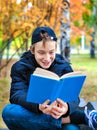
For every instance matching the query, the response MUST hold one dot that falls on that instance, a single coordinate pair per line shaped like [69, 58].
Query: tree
[11, 26]
[91, 24]
[19, 20]
[65, 31]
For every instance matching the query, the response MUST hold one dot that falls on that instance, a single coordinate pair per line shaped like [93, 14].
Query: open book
[48, 85]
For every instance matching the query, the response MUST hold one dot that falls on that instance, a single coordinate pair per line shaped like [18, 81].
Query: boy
[23, 115]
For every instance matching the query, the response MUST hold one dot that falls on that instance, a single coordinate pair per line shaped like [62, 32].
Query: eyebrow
[44, 50]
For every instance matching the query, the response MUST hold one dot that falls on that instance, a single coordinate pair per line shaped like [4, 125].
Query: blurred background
[75, 24]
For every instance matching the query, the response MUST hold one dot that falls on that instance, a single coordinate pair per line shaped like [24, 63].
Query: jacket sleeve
[19, 87]
[73, 106]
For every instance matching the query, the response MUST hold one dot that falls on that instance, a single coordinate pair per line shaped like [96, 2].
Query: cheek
[37, 57]
[53, 56]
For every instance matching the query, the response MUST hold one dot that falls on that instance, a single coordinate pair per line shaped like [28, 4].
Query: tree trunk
[92, 42]
[92, 46]
[65, 31]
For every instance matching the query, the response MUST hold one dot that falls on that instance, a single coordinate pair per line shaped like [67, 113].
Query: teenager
[60, 115]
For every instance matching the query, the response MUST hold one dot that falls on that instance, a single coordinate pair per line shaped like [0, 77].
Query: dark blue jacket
[20, 74]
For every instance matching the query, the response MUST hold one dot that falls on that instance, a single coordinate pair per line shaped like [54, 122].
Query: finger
[44, 105]
[46, 102]
[61, 102]
[56, 110]
[55, 116]
[47, 110]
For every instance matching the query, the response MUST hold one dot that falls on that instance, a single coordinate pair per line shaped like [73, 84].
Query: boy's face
[45, 54]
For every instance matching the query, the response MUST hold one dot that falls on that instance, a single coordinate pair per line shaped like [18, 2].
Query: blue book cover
[47, 85]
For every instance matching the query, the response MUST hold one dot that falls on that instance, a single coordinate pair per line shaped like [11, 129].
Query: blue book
[47, 85]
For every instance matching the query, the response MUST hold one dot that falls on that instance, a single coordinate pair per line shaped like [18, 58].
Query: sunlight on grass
[89, 67]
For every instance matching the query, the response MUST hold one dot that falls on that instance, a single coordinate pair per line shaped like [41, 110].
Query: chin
[45, 67]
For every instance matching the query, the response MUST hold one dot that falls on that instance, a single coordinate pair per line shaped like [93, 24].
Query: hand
[45, 108]
[59, 108]
[56, 109]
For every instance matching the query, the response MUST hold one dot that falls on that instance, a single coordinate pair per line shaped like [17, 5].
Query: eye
[51, 52]
[41, 52]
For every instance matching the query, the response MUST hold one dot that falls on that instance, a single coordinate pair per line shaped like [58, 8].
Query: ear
[32, 49]
[56, 45]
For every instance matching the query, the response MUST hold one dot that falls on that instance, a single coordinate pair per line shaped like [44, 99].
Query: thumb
[46, 102]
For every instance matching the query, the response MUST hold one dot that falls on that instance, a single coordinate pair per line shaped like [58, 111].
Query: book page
[45, 73]
[74, 73]
[48, 74]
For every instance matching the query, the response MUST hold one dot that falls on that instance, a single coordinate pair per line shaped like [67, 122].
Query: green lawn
[89, 67]
[4, 95]
[78, 62]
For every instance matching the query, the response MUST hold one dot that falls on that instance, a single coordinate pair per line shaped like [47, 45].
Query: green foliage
[0, 40]
[77, 23]
[0, 43]
[88, 20]
[93, 2]
[78, 40]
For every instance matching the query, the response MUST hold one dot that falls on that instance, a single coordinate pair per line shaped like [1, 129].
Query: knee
[16, 112]
[10, 111]
[71, 127]
[6, 112]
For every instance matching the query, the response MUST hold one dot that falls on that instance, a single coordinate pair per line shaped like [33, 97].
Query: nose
[47, 57]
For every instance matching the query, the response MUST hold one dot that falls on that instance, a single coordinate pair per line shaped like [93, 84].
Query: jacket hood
[27, 59]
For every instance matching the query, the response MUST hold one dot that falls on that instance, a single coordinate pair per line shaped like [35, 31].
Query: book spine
[56, 91]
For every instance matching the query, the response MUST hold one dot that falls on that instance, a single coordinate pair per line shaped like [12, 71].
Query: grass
[78, 62]
[89, 67]
[4, 96]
